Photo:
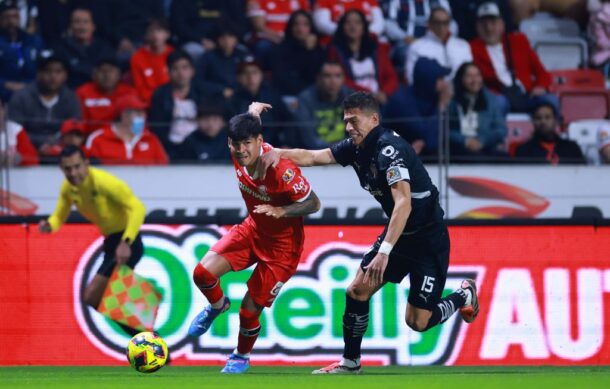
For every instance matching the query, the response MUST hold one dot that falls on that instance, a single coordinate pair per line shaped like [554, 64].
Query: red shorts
[276, 259]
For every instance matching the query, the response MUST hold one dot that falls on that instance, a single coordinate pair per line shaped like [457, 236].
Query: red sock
[249, 328]
[207, 283]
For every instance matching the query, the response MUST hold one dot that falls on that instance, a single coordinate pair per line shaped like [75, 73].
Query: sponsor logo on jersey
[288, 175]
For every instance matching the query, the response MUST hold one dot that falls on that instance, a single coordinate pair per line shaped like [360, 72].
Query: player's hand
[257, 108]
[270, 210]
[270, 159]
[375, 270]
[44, 226]
[123, 252]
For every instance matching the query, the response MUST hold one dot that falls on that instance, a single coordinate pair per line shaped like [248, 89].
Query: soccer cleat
[202, 322]
[338, 368]
[470, 311]
[236, 365]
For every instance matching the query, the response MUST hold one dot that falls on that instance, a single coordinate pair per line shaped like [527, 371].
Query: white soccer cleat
[470, 311]
[338, 368]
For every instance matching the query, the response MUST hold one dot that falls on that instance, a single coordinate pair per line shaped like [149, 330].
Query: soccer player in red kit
[271, 236]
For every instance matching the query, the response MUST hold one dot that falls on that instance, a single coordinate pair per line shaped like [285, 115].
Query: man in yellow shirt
[107, 202]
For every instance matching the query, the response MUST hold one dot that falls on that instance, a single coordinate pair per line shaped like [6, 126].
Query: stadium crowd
[155, 81]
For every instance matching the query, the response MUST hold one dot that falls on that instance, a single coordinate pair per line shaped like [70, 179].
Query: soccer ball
[147, 352]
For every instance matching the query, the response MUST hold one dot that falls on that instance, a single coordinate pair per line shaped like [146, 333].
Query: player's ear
[259, 138]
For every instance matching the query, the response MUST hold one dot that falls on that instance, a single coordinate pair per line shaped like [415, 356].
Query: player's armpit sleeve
[394, 163]
[120, 192]
[62, 210]
[343, 152]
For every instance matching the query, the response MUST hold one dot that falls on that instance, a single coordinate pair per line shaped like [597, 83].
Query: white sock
[245, 356]
[350, 362]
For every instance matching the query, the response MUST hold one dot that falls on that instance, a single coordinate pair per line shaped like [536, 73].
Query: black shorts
[424, 256]
[110, 244]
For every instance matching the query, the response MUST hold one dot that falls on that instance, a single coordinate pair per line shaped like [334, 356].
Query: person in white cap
[509, 65]
[439, 44]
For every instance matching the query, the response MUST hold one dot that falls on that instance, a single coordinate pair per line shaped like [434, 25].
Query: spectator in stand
[477, 125]
[366, 62]
[173, 107]
[546, 146]
[98, 97]
[407, 20]
[414, 111]
[15, 146]
[320, 111]
[220, 65]
[73, 133]
[127, 141]
[269, 19]
[327, 13]
[439, 44]
[80, 48]
[252, 88]
[599, 32]
[603, 143]
[297, 60]
[128, 23]
[149, 63]
[208, 143]
[43, 105]
[464, 12]
[194, 23]
[18, 52]
[510, 67]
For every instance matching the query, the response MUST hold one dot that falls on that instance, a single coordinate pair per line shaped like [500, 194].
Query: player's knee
[203, 277]
[357, 292]
[417, 324]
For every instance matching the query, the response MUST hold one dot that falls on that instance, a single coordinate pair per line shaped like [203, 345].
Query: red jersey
[276, 12]
[149, 71]
[339, 7]
[19, 141]
[283, 185]
[97, 107]
[106, 146]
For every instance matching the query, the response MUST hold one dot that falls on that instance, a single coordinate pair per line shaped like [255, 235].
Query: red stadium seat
[576, 79]
[520, 130]
[584, 104]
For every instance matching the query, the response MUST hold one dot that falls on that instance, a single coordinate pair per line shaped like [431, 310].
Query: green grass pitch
[299, 377]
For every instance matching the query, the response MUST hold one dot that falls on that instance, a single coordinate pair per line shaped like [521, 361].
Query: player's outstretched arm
[300, 157]
[301, 208]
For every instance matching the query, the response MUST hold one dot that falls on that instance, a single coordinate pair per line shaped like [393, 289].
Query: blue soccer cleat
[236, 365]
[203, 321]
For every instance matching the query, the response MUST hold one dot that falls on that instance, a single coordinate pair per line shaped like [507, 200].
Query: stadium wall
[544, 290]
[475, 191]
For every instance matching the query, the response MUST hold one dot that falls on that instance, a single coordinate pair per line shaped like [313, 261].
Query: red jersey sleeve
[291, 181]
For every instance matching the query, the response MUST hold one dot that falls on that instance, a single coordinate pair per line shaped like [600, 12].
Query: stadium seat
[520, 130]
[584, 132]
[543, 25]
[576, 79]
[562, 52]
[584, 104]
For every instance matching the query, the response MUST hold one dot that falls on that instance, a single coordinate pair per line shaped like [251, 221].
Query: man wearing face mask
[127, 141]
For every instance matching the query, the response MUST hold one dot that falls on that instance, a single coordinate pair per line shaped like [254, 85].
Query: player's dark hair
[362, 101]
[244, 126]
[70, 150]
[178, 55]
